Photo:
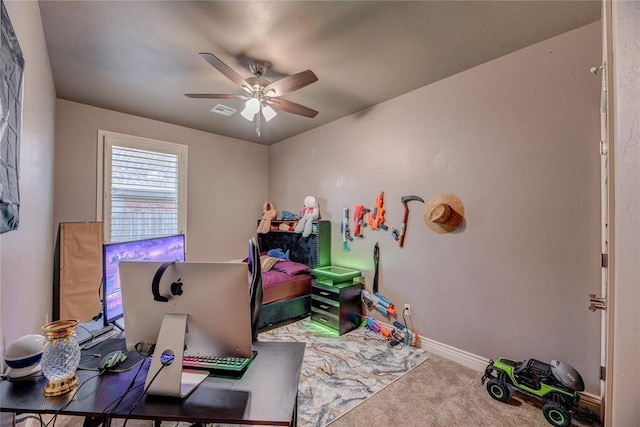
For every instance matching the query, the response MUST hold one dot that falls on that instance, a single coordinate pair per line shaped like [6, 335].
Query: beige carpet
[440, 392]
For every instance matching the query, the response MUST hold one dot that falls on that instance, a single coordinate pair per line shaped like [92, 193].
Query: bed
[287, 283]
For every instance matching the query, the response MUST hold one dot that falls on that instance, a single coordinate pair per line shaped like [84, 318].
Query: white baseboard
[462, 357]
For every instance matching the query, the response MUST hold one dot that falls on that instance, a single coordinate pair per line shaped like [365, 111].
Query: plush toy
[288, 216]
[309, 213]
[278, 253]
[268, 214]
[284, 226]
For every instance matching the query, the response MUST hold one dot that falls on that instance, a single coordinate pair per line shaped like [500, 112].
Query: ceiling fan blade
[224, 69]
[292, 107]
[214, 96]
[290, 83]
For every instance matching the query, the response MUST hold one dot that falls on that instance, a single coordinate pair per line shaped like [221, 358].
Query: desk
[266, 394]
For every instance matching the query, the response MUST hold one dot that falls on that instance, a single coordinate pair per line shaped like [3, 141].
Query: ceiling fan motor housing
[258, 68]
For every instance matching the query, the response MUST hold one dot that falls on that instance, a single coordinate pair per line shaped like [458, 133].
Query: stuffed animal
[284, 226]
[268, 214]
[278, 253]
[288, 216]
[309, 213]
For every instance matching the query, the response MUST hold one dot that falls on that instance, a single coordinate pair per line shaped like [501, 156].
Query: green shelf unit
[337, 306]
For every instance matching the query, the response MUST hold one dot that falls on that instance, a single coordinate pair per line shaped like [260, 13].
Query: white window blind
[143, 188]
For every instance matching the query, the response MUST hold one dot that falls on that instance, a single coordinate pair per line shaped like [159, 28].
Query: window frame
[106, 140]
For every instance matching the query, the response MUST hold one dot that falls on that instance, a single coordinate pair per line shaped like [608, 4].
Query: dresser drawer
[325, 318]
[325, 305]
[325, 292]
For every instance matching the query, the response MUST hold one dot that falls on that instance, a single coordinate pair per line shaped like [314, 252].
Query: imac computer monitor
[167, 248]
[214, 295]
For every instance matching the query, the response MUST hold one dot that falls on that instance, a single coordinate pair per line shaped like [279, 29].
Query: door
[605, 302]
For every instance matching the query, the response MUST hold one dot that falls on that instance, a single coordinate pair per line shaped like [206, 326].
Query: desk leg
[294, 418]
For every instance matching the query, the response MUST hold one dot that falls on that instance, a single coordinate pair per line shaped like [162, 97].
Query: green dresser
[337, 306]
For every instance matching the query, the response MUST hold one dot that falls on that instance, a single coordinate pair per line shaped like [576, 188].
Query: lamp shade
[268, 113]
[251, 108]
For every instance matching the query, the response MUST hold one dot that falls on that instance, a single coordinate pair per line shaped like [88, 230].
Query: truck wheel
[556, 414]
[498, 390]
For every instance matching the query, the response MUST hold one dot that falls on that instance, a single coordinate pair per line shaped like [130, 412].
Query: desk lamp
[23, 356]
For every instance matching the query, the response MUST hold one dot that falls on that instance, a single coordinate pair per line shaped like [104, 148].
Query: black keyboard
[219, 366]
[99, 336]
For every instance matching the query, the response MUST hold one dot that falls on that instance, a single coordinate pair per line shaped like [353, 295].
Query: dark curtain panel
[11, 71]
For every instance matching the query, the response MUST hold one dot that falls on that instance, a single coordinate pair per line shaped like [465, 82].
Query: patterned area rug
[338, 373]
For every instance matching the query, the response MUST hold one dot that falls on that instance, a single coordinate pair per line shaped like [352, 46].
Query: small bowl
[25, 351]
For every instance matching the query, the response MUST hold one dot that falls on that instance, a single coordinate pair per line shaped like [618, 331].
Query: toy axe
[405, 200]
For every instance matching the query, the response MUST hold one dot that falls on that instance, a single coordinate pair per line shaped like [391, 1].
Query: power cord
[165, 363]
[130, 387]
[93, 336]
[63, 407]
[24, 417]
[29, 377]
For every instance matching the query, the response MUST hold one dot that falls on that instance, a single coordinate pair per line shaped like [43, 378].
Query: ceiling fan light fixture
[250, 109]
[268, 112]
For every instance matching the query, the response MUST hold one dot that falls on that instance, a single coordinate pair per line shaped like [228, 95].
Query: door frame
[608, 211]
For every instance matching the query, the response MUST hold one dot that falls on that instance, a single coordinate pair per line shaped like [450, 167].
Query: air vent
[224, 110]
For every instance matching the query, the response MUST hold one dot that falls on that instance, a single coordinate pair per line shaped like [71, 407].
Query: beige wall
[227, 182]
[517, 140]
[626, 60]
[26, 254]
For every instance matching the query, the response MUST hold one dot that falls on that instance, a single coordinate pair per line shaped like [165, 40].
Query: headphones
[176, 287]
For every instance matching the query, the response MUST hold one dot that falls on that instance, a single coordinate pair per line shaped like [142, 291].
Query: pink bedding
[280, 286]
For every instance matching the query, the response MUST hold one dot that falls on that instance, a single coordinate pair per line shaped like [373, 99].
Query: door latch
[597, 303]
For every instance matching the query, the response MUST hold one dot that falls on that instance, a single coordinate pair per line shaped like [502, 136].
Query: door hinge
[604, 260]
[604, 148]
[603, 373]
[597, 303]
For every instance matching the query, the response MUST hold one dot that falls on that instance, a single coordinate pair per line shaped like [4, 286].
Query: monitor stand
[166, 377]
[119, 323]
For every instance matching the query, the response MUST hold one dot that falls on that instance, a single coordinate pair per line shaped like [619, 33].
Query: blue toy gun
[380, 303]
[406, 335]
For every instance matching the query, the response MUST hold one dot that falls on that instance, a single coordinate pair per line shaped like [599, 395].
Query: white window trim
[105, 138]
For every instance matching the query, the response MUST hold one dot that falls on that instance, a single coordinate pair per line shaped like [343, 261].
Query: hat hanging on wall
[444, 213]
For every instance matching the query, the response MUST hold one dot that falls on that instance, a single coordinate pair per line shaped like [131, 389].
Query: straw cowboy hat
[444, 213]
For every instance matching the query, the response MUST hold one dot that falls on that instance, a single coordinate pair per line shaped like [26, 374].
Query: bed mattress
[278, 286]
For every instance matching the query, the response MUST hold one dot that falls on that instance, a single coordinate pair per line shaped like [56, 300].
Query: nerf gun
[403, 334]
[358, 220]
[399, 333]
[376, 218]
[376, 327]
[378, 302]
[346, 233]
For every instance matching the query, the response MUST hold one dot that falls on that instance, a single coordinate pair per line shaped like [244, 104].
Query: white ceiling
[141, 57]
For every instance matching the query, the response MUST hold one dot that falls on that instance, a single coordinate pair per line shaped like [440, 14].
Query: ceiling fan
[263, 97]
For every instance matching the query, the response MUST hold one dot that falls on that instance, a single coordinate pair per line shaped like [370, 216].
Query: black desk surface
[266, 393]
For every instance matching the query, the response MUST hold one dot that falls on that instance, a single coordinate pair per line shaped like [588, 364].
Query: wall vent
[224, 110]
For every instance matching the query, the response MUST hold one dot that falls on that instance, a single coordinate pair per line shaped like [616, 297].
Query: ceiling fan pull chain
[258, 121]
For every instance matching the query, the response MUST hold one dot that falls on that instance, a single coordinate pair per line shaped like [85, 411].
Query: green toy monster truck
[557, 383]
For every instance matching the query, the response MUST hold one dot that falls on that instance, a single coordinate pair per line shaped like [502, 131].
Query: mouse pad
[90, 358]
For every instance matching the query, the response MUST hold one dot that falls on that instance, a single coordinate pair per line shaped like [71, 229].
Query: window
[142, 187]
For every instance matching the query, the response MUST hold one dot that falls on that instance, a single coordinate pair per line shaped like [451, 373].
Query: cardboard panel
[80, 271]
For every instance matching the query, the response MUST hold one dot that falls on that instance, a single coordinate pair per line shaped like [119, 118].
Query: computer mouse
[112, 360]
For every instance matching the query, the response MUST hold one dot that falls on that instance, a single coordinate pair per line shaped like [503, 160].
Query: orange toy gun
[358, 219]
[376, 218]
